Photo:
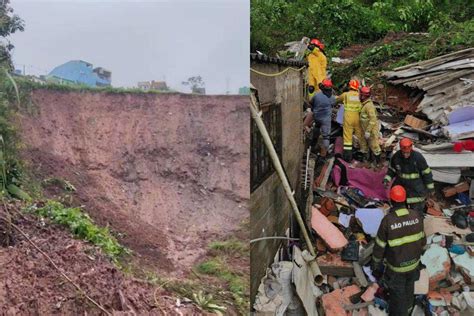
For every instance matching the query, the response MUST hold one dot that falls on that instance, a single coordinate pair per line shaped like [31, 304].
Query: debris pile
[348, 202]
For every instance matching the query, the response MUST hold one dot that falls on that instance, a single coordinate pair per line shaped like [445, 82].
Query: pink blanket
[370, 182]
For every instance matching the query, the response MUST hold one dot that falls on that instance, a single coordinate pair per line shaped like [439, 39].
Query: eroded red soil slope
[169, 172]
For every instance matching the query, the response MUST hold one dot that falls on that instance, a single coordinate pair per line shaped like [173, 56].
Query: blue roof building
[80, 72]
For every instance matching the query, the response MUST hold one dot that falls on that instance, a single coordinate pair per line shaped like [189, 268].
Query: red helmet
[317, 43]
[354, 84]
[406, 145]
[398, 194]
[365, 90]
[327, 83]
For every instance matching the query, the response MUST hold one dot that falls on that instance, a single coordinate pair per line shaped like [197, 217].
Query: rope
[278, 73]
[57, 268]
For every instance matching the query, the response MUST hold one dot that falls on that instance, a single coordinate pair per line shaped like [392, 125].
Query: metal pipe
[274, 237]
[256, 115]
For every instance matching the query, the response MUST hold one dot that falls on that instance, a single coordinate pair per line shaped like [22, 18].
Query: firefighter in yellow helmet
[351, 124]
[369, 123]
[317, 66]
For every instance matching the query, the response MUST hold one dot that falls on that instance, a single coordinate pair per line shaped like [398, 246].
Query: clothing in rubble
[351, 123]
[317, 64]
[414, 175]
[371, 126]
[321, 105]
[399, 243]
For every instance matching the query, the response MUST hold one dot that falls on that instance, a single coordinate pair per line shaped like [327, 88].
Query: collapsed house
[343, 204]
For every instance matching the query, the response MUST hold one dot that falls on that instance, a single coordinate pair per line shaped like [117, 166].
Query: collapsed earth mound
[168, 172]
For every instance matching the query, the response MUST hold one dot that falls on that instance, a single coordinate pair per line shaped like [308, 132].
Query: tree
[9, 24]
[196, 84]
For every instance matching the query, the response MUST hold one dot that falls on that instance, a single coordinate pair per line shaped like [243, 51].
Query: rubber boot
[347, 155]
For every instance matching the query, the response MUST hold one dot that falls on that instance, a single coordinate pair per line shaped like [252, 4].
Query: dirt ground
[29, 285]
[168, 172]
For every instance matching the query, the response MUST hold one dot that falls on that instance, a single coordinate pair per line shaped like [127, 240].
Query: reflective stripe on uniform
[376, 259]
[430, 186]
[352, 103]
[409, 176]
[380, 242]
[412, 200]
[407, 268]
[405, 240]
[426, 171]
[401, 212]
[388, 178]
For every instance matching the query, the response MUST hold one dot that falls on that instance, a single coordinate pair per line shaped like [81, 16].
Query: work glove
[367, 135]
[311, 89]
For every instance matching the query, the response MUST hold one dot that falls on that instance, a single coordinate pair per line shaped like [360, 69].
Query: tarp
[370, 182]
[370, 219]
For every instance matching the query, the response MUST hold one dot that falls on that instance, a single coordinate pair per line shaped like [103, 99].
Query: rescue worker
[369, 123]
[351, 121]
[409, 168]
[317, 64]
[321, 105]
[399, 246]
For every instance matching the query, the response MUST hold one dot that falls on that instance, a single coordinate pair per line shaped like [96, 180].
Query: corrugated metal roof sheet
[447, 82]
[273, 60]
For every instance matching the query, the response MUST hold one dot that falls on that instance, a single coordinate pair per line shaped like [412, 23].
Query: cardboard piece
[433, 225]
[414, 122]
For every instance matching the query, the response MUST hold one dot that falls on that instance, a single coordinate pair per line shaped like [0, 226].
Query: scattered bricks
[438, 263]
[327, 206]
[334, 302]
[369, 294]
[414, 122]
[332, 264]
[458, 188]
[433, 208]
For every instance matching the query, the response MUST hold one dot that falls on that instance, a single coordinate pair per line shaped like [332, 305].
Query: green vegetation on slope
[345, 22]
[221, 254]
[82, 226]
[409, 49]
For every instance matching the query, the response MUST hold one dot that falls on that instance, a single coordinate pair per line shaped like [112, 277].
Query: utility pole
[24, 70]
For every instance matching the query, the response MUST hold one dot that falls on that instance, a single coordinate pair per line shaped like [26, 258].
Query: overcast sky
[139, 40]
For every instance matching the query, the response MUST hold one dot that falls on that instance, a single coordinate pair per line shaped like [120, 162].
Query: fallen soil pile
[168, 172]
[29, 285]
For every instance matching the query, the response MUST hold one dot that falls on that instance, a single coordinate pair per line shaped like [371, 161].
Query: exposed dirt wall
[169, 172]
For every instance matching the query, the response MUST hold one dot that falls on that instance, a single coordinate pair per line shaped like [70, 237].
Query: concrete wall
[269, 208]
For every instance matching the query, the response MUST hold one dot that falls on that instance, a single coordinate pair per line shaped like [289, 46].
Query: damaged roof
[445, 83]
[278, 61]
